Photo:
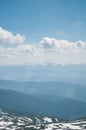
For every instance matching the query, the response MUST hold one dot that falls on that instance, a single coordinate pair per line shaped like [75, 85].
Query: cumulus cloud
[54, 44]
[7, 38]
[48, 50]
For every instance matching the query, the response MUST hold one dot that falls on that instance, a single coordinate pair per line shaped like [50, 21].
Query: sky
[42, 31]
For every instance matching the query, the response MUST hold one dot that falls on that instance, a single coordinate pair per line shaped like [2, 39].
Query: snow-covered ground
[14, 122]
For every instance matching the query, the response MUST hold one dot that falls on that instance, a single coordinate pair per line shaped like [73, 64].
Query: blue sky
[42, 31]
[61, 19]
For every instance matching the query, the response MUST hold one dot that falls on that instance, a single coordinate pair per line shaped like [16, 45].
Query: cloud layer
[14, 50]
[7, 38]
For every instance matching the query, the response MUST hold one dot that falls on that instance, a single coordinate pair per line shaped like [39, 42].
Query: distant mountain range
[57, 91]
[49, 72]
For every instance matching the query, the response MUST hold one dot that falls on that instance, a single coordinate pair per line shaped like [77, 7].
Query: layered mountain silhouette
[55, 88]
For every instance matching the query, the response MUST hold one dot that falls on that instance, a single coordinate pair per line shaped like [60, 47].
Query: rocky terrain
[9, 121]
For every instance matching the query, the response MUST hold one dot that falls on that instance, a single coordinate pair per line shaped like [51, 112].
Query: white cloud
[48, 50]
[7, 38]
[54, 44]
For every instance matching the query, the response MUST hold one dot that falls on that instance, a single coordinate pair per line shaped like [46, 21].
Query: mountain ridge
[67, 90]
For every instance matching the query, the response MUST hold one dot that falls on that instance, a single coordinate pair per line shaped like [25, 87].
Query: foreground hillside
[14, 122]
[64, 108]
